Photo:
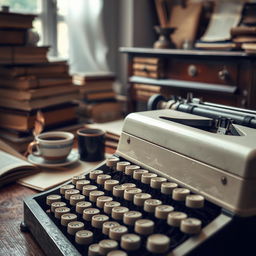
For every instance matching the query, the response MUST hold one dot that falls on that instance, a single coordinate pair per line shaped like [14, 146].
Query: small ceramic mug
[52, 146]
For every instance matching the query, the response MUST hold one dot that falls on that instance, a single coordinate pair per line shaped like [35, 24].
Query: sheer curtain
[87, 43]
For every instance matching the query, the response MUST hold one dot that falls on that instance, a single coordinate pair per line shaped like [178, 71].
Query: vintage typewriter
[179, 184]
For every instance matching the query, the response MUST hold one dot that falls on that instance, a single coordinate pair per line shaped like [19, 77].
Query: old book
[37, 103]
[31, 82]
[96, 86]
[102, 95]
[37, 92]
[13, 36]
[25, 120]
[23, 54]
[49, 69]
[245, 39]
[81, 79]
[101, 112]
[16, 20]
[243, 30]
[12, 167]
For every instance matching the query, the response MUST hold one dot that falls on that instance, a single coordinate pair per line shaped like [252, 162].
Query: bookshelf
[224, 77]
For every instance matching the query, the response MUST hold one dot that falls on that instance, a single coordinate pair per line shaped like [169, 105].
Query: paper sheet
[226, 15]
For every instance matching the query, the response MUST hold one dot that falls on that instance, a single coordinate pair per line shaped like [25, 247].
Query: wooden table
[12, 240]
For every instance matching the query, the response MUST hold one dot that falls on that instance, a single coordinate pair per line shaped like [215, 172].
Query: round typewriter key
[151, 204]
[66, 187]
[88, 188]
[157, 182]
[98, 220]
[109, 184]
[195, 201]
[84, 237]
[162, 211]
[75, 199]
[118, 212]
[140, 198]
[93, 195]
[81, 183]
[60, 211]
[128, 185]
[80, 206]
[130, 242]
[77, 178]
[107, 246]
[130, 217]
[112, 161]
[108, 225]
[117, 253]
[138, 173]
[120, 166]
[94, 250]
[168, 187]
[158, 243]
[101, 200]
[191, 225]
[52, 198]
[179, 194]
[93, 174]
[146, 177]
[144, 227]
[118, 191]
[57, 205]
[130, 169]
[108, 206]
[117, 232]
[129, 193]
[67, 217]
[102, 178]
[89, 213]
[70, 192]
[75, 226]
[175, 218]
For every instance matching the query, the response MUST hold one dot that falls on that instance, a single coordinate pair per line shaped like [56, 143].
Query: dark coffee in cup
[91, 144]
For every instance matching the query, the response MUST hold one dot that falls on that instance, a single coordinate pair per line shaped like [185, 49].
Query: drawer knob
[223, 74]
[192, 70]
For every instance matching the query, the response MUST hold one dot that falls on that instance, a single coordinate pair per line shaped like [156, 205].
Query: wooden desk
[13, 241]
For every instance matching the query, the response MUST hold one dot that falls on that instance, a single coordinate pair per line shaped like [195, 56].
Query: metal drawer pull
[192, 70]
[223, 74]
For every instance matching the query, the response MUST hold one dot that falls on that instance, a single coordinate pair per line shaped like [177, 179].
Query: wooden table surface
[12, 240]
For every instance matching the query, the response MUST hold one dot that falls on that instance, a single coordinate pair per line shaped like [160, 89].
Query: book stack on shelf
[245, 33]
[97, 101]
[29, 83]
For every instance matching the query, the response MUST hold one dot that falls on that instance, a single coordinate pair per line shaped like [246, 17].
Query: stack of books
[98, 100]
[30, 84]
[245, 33]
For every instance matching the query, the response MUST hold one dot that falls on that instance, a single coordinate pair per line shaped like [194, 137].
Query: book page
[9, 163]
[226, 15]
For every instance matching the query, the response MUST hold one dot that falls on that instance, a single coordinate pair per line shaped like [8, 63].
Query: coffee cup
[52, 146]
[91, 144]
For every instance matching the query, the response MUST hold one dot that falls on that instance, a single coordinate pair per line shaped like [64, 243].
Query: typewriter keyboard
[122, 209]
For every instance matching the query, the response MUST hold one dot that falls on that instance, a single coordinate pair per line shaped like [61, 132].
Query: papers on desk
[226, 15]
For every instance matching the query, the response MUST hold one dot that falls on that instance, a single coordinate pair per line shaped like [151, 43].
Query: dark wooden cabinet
[224, 77]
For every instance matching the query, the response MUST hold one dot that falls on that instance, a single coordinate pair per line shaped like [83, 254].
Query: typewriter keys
[57, 205]
[175, 218]
[107, 245]
[108, 225]
[130, 242]
[52, 198]
[75, 226]
[117, 232]
[84, 237]
[158, 243]
[117, 253]
[68, 217]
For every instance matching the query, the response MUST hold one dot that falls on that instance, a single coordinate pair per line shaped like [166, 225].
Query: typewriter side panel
[224, 189]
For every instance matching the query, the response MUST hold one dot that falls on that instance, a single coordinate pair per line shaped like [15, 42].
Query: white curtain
[87, 44]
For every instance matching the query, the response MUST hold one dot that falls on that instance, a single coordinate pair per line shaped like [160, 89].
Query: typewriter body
[183, 149]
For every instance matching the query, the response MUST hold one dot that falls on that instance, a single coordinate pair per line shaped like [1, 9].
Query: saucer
[37, 160]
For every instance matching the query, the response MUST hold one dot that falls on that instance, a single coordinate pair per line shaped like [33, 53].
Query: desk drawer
[148, 67]
[215, 72]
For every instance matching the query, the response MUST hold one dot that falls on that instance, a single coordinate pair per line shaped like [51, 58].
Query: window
[50, 22]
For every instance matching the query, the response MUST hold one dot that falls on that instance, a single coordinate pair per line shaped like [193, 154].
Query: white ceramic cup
[52, 146]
